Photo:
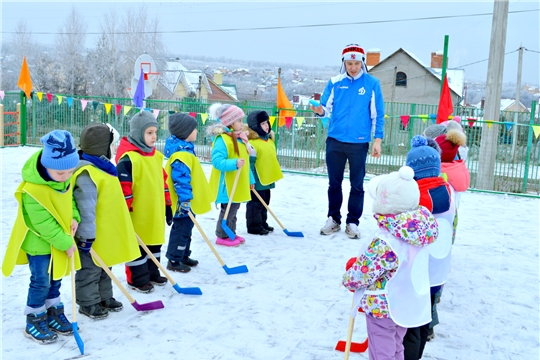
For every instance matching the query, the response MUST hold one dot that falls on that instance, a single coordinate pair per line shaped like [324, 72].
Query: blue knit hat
[59, 152]
[423, 159]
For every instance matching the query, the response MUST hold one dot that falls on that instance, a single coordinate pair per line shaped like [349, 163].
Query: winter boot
[227, 242]
[239, 238]
[190, 262]
[112, 304]
[330, 227]
[178, 266]
[58, 321]
[95, 311]
[268, 227]
[261, 231]
[38, 330]
[145, 289]
[159, 281]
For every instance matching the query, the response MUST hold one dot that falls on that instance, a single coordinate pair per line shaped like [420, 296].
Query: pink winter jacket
[458, 175]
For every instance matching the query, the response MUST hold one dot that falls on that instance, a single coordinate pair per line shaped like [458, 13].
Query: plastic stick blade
[80, 342]
[187, 290]
[293, 233]
[154, 305]
[355, 347]
[235, 270]
[227, 230]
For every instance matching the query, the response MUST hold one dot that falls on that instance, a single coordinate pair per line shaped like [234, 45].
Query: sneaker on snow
[112, 304]
[95, 311]
[352, 231]
[145, 289]
[227, 242]
[190, 262]
[178, 266]
[330, 227]
[57, 321]
[159, 281]
[38, 330]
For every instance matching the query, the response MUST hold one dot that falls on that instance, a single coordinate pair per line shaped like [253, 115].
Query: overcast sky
[469, 36]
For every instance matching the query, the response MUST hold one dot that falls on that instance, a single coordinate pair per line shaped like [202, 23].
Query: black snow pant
[92, 284]
[256, 213]
[415, 339]
[142, 270]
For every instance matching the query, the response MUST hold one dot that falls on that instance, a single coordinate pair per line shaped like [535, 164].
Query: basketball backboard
[150, 73]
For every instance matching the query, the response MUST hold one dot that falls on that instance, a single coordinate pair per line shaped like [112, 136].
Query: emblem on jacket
[63, 147]
[361, 91]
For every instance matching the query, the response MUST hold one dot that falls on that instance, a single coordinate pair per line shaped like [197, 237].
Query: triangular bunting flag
[324, 121]
[204, 117]
[25, 82]
[147, 109]
[431, 116]
[83, 104]
[272, 120]
[59, 97]
[49, 97]
[405, 120]
[2, 94]
[40, 95]
[126, 109]
[288, 122]
[118, 108]
[193, 114]
[471, 122]
[300, 120]
[107, 107]
[95, 104]
[489, 122]
[457, 119]
[509, 125]
[536, 130]
[171, 112]
[385, 116]
[156, 113]
[69, 100]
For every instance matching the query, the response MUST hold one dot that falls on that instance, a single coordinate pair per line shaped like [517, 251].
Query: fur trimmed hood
[253, 135]
[218, 129]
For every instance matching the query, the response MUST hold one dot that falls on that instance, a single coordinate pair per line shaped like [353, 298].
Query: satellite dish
[150, 73]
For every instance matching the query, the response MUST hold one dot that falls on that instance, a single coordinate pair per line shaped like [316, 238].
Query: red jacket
[458, 174]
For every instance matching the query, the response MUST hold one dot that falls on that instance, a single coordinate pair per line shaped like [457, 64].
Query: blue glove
[184, 208]
[85, 245]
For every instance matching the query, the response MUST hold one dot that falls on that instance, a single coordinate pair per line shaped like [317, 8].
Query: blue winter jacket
[356, 106]
[180, 173]
[221, 162]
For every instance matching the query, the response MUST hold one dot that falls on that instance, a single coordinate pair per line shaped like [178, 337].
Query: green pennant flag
[95, 104]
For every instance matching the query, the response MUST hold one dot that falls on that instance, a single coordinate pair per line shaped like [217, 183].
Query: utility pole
[490, 135]
[200, 85]
[515, 129]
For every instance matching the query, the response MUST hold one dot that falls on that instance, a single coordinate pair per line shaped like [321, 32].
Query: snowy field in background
[291, 305]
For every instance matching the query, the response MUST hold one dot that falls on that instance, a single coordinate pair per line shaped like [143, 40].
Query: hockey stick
[230, 271]
[74, 325]
[224, 225]
[139, 307]
[350, 346]
[289, 233]
[187, 290]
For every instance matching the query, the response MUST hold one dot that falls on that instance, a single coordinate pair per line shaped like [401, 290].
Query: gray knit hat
[181, 125]
[96, 140]
[433, 131]
[137, 126]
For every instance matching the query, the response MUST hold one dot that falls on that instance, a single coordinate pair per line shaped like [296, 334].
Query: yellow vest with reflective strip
[200, 203]
[60, 206]
[267, 165]
[115, 236]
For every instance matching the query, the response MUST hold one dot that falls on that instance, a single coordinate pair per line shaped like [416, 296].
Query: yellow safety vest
[115, 236]
[148, 215]
[200, 203]
[60, 206]
[243, 192]
[267, 165]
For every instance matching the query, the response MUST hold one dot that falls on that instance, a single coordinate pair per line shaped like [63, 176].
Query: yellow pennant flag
[107, 108]
[40, 95]
[385, 116]
[299, 121]
[272, 120]
[59, 99]
[126, 109]
[25, 82]
[204, 117]
[489, 122]
[536, 129]
[283, 103]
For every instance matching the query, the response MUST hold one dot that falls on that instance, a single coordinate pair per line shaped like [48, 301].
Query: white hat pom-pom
[406, 173]
[213, 111]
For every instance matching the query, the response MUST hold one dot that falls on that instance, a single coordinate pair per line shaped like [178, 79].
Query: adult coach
[354, 103]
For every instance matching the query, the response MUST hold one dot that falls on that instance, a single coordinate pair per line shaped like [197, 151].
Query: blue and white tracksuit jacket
[180, 173]
[356, 106]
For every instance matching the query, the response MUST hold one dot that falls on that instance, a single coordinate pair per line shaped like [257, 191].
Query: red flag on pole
[445, 103]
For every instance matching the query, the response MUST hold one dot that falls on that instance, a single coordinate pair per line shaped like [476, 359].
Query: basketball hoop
[146, 64]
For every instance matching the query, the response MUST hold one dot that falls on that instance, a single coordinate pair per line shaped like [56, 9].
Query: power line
[534, 51]
[477, 62]
[283, 27]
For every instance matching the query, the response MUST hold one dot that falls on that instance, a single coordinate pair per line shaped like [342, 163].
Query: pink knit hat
[227, 114]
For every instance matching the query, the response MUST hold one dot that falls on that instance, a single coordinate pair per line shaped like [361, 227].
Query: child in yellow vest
[144, 184]
[105, 222]
[265, 169]
[230, 153]
[46, 219]
[188, 188]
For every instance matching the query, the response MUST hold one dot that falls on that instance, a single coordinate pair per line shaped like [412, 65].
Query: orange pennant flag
[25, 82]
[283, 103]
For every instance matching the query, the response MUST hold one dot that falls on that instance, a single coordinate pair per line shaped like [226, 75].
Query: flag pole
[444, 60]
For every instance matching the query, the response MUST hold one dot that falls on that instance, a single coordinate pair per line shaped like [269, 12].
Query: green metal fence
[302, 147]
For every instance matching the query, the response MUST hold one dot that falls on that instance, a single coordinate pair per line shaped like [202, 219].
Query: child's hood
[253, 135]
[174, 144]
[30, 174]
[126, 146]
[416, 227]
[219, 129]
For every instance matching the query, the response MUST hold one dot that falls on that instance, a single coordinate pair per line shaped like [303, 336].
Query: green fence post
[22, 118]
[318, 122]
[529, 146]
[33, 119]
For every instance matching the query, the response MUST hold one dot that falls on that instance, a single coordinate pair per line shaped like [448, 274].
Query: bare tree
[20, 44]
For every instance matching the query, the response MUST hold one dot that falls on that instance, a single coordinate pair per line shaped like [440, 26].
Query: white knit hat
[394, 193]
[353, 52]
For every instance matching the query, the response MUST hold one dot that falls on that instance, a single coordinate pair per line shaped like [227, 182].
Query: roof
[505, 104]
[221, 92]
[176, 72]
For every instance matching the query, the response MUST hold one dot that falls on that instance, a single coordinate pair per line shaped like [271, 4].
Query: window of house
[401, 79]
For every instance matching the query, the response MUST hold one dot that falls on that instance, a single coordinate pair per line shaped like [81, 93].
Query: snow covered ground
[291, 305]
